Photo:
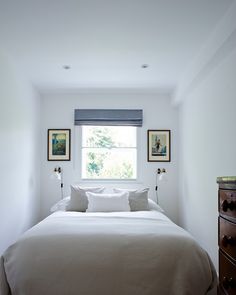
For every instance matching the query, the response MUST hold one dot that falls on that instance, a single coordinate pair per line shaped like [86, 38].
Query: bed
[96, 243]
[128, 253]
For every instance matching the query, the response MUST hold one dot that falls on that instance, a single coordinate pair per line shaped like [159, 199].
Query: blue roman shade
[109, 117]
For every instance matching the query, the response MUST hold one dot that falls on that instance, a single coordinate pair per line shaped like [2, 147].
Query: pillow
[78, 199]
[61, 205]
[138, 199]
[108, 202]
[154, 206]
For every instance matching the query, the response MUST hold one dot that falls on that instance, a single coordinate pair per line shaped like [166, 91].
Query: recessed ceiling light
[66, 67]
[144, 66]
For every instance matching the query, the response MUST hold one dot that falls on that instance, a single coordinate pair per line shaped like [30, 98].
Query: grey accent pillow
[138, 199]
[78, 199]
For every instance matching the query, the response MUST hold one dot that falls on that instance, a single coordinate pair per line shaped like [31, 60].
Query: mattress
[139, 253]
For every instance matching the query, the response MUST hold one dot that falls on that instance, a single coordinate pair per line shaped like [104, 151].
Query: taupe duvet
[124, 253]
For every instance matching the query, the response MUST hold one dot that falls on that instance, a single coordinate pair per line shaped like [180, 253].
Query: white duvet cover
[124, 253]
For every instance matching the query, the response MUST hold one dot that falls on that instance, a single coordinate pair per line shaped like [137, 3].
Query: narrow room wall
[58, 112]
[207, 150]
[19, 154]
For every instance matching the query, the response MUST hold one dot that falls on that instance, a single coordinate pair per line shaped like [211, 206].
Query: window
[109, 152]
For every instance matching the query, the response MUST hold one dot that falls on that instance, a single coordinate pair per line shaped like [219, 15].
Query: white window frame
[78, 159]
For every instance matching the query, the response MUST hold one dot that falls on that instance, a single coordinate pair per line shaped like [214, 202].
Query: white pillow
[138, 199]
[61, 205]
[154, 206]
[78, 200]
[108, 202]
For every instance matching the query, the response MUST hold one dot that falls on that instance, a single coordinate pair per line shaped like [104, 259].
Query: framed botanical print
[58, 144]
[158, 145]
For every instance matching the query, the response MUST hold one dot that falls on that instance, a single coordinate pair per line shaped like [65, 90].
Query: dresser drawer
[227, 237]
[227, 276]
[227, 202]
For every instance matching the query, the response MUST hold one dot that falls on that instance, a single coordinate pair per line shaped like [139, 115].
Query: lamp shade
[162, 177]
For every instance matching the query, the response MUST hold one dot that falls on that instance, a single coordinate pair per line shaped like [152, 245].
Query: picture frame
[159, 146]
[59, 144]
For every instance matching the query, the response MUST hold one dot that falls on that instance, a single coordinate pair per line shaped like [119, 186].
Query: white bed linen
[120, 253]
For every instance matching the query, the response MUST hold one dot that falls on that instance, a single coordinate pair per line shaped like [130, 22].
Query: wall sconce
[161, 173]
[57, 173]
[160, 176]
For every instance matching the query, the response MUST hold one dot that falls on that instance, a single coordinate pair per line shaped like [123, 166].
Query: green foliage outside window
[105, 156]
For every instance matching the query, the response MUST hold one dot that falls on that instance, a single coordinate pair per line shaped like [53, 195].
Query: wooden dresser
[227, 235]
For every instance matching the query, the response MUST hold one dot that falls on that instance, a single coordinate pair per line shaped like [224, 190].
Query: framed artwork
[158, 145]
[58, 144]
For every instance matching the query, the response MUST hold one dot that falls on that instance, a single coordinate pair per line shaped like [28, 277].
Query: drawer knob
[227, 240]
[225, 205]
[228, 283]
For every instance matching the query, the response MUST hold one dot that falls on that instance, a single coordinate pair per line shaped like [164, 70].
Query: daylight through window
[109, 152]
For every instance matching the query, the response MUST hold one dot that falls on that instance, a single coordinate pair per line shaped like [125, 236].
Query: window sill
[90, 180]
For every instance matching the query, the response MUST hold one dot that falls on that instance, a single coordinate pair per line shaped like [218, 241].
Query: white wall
[208, 150]
[19, 154]
[58, 112]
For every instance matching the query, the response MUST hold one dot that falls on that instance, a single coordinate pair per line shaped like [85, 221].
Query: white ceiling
[106, 41]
